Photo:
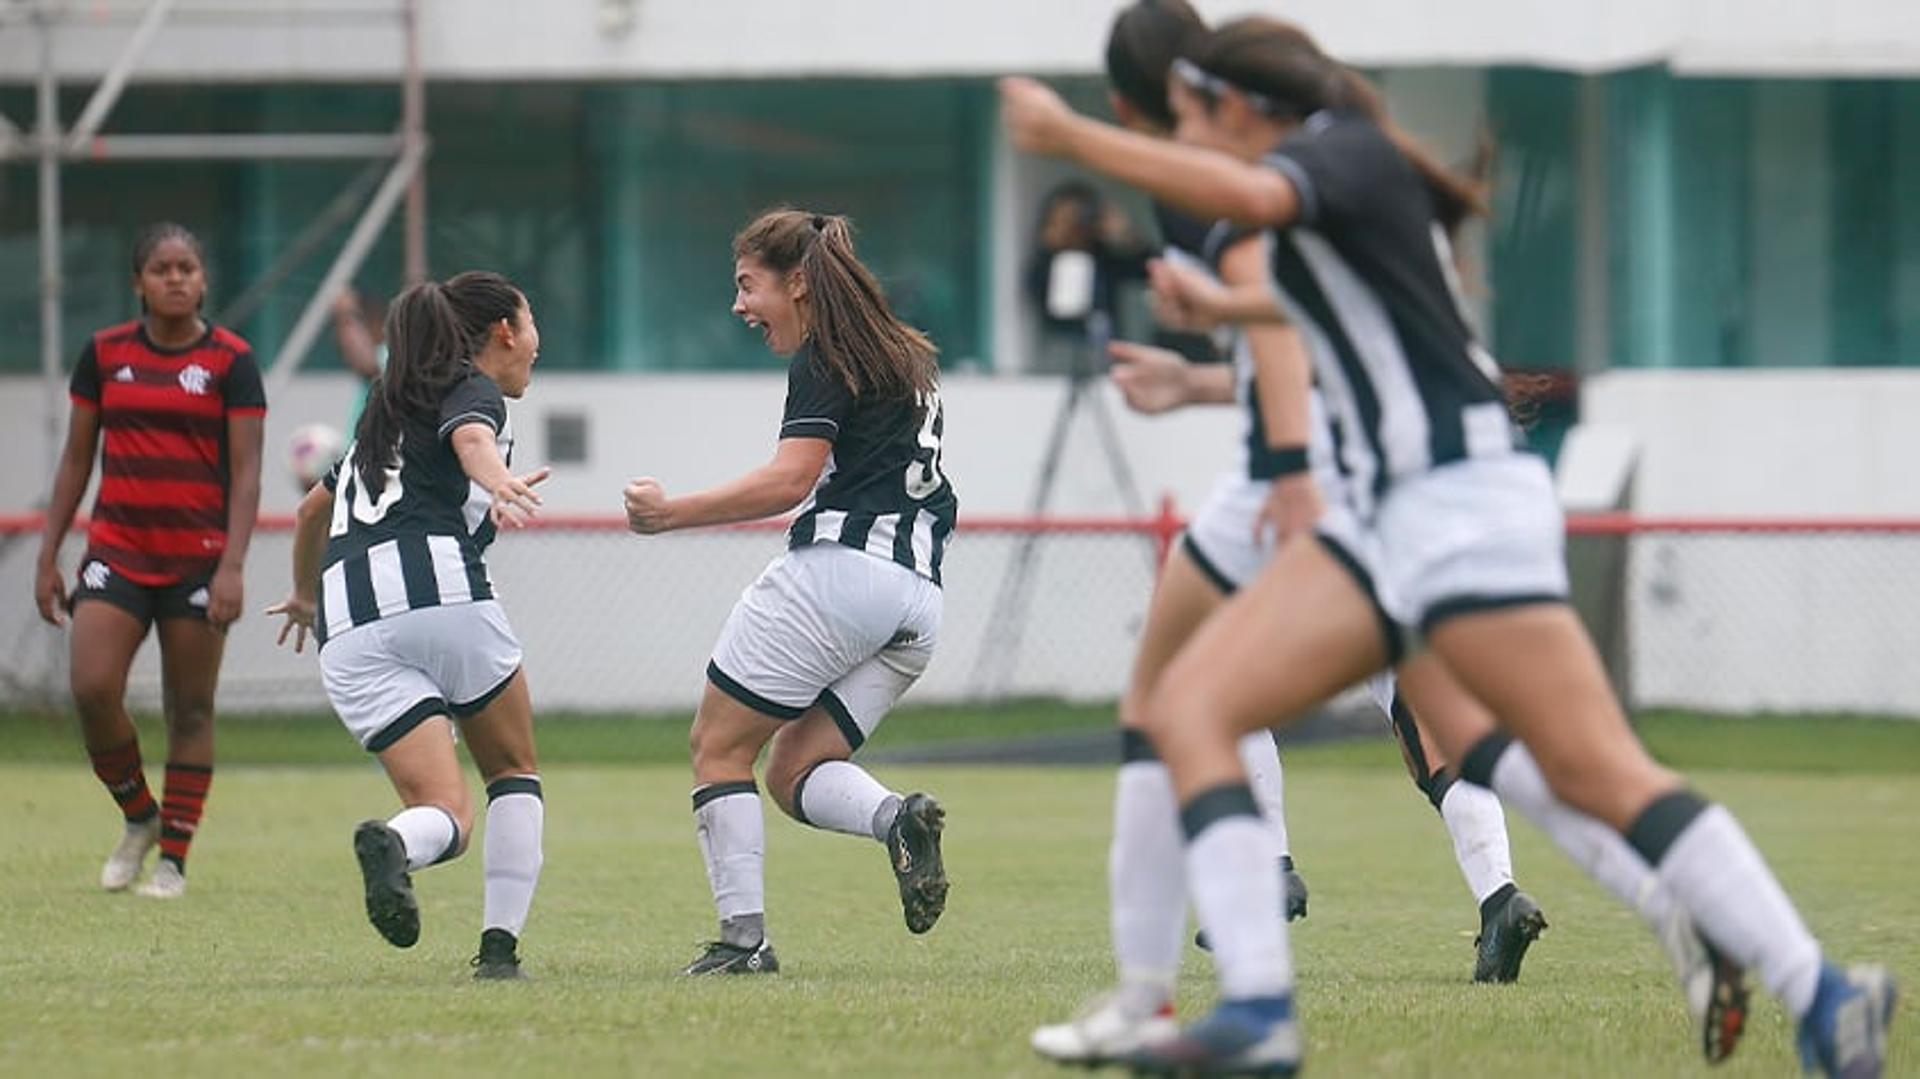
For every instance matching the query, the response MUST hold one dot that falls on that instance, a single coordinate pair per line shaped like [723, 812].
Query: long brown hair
[434, 331]
[1279, 62]
[855, 334]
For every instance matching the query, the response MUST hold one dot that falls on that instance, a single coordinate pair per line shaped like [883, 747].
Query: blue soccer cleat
[1240, 1037]
[1844, 1034]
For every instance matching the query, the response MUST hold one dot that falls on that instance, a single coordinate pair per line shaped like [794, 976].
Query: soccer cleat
[1506, 932]
[1241, 1037]
[913, 847]
[723, 958]
[1293, 897]
[499, 959]
[1716, 986]
[1105, 1031]
[1844, 1034]
[124, 864]
[391, 906]
[167, 882]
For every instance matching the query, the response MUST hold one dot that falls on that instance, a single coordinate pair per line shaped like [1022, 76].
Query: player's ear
[797, 285]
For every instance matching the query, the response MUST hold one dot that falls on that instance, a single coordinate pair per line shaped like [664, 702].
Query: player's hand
[300, 613]
[225, 596]
[1184, 298]
[50, 594]
[649, 511]
[515, 502]
[1037, 118]
[1152, 379]
[1292, 508]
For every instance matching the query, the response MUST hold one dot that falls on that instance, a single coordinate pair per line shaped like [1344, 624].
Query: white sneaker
[1106, 1030]
[123, 865]
[167, 882]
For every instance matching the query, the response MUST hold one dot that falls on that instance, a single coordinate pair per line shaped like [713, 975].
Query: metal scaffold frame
[397, 157]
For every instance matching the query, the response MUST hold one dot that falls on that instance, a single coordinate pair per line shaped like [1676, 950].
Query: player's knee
[1175, 703]
[96, 696]
[189, 717]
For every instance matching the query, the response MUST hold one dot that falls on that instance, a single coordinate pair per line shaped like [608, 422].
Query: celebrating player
[389, 576]
[180, 404]
[1462, 541]
[820, 647]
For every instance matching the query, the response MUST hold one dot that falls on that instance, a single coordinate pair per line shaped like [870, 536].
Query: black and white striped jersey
[882, 490]
[419, 541]
[1200, 245]
[1366, 274]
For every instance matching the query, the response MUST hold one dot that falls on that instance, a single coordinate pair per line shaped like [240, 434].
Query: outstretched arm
[1202, 182]
[514, 500]
[773, 488]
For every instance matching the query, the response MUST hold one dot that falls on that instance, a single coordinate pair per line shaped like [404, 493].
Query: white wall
[490, 39]
[694, 430]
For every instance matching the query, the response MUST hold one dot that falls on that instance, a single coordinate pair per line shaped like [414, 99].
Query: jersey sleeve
[245, 392]
[84, 387]
[473, 400]
[817, 404]
[332, 479]
[1338, 165]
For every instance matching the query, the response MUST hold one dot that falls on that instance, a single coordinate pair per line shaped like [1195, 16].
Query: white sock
[1714, 869]
[1479, 831]
[1230, 860]
[1594, 847]
[840, 796]
[1146, 879]
[733, 840]
[1260, 755]
[516, 816]
[428, 833]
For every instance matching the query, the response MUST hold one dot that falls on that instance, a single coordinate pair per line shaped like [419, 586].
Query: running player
[820, 647]
[389, 576]
[1272, 494]
[1457, 534]
[181, 408]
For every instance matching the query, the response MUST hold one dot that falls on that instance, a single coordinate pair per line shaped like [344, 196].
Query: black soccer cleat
[499, 959]
[1293, 899]
[1727, 1001]
[913, 847]
[723, 958]
[391, 906]
[1510, 921]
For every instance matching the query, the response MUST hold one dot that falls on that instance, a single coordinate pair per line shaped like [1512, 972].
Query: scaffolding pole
[52, 281]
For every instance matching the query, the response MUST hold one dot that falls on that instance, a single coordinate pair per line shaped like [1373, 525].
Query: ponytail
[855, 335]
[427, 350]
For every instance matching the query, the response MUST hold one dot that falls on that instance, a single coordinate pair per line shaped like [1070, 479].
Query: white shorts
[832, 626]
[1221, 538]
[388, 676]
[1469, 536]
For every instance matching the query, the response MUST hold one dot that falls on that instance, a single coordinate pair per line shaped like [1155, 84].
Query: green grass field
[268, 964]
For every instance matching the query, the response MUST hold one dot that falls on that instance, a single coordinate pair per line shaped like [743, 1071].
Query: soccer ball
[311, 451]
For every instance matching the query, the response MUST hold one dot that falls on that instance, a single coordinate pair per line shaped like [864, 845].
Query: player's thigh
[727, 736]
[1302, 631]
[1183, 598]
[104, 638]
[500, 735]
[1537, 672]
[425, 770]
[1447, 720]
[191, 649]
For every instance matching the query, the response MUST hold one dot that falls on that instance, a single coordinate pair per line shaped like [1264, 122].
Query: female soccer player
[835, 630]
[181, 407]
[1461, 542]
[389, 576]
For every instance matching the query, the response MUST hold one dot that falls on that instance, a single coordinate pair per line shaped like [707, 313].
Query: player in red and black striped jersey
[174, 407]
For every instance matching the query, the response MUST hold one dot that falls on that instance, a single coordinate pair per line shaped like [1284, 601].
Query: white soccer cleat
[167, 882]
[124, 864]
[1105, 1031]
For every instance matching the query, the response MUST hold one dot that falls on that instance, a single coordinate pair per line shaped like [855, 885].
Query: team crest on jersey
[196, 379]
[125, 374]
